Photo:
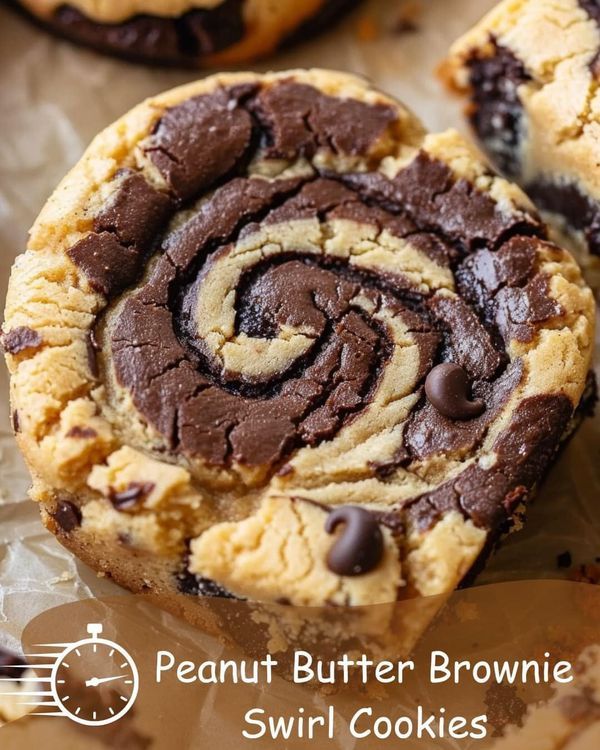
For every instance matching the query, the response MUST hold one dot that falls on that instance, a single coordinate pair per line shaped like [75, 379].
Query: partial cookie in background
[15, 681]
[190, 33]
[530, 69]
[570, 720]
[272, 340]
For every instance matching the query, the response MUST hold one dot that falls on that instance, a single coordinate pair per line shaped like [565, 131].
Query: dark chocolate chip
[428, 432]
[84, 433]
[129, 498]
[67, 515]
[564, 559]
[16, 422]
[20, 339]
[194, 585]
[360, 547]
[447, 388]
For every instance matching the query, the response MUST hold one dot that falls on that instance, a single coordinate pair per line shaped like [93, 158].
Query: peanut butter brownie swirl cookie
[270, 339]
[190, 33]
[531, 69]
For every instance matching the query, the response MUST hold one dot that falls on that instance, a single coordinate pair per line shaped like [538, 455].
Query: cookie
[570, 720]
[188, 33]
[530, 71]
[16, 681]
[272, 340]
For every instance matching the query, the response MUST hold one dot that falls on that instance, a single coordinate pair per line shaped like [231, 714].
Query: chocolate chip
[16, 422]
[130, 497]
[429, 432]
[20, 339]
[188, 583]
[360, 547]
[82, 432]
[67, 515]
[447, 388]
[564, 559]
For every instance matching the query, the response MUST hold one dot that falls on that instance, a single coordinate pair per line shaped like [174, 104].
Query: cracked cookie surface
[530, 69]
[189, 33]
[272, 340]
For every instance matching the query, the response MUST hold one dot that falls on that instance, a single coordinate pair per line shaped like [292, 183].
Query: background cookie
[186, 32]
[270, 339]
[530, 70]
[16, 680]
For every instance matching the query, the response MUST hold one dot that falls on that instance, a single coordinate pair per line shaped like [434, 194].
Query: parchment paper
[55, 97]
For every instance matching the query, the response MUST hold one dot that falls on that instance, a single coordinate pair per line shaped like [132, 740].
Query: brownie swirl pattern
[187, 33]
[304, 351]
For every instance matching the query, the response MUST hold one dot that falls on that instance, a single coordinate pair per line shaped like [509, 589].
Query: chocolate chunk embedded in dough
[132, 495]
[497, 112]
[359, 548]
[448, 389]
[300, 120]
[20, 339]
[67, 515]
[200, 141]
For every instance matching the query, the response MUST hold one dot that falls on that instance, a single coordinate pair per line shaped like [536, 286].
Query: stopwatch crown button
[94, 629]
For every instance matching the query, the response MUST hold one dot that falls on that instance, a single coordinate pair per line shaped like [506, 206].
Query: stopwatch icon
[94, 681]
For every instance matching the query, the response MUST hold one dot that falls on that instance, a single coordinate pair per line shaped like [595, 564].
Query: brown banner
[431, 673]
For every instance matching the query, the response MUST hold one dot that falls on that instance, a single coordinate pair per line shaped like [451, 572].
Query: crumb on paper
[64, 577]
